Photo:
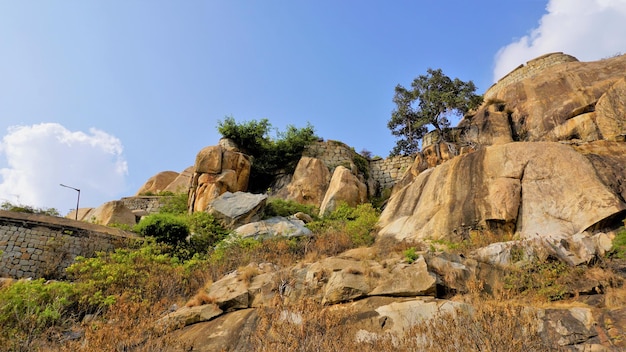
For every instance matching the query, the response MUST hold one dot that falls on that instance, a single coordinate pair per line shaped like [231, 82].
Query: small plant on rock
[410, 255]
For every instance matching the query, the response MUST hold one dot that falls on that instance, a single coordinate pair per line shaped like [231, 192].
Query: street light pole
[77, 200]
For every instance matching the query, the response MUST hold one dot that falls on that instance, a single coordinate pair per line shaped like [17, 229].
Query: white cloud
[41, 157]
[587, 29]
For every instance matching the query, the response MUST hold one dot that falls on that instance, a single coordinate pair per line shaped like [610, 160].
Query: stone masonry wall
[149, 204]
[33, 245]
[388, 171]
[385, 171]
[331, 153]
[531, 68]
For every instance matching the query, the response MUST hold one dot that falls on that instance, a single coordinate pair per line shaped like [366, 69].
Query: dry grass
[615, 297]
[200, 298]
[246, 273]
[490, 326]
[127, 327]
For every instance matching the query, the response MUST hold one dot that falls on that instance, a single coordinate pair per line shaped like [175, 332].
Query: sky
[102, 95]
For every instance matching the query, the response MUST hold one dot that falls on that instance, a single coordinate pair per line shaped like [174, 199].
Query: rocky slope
[543, 161]
[542, 156]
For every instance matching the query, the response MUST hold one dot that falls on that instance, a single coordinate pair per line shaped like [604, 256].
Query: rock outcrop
[217, 170]
[181, 183]
[345, 187]
[114, 212]
[236, 209]
[308, 184]
[531, 189]
[382, 297]
[543, 161]
[544, 155]
[276, 226]
[548, 98]
[157, 183]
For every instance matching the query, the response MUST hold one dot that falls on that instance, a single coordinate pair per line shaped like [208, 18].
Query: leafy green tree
[271, 156]
[251, 136]
[430, 101]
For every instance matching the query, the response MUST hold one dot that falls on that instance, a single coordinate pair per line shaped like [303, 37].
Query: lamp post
[77, 200]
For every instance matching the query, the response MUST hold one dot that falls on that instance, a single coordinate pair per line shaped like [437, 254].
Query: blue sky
[102, 95]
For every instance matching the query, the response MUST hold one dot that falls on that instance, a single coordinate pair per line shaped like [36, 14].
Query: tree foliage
[271, 155]
[8, 206]
[431, 99]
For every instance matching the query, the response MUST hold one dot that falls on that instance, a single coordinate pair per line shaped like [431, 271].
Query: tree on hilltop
[430, 101]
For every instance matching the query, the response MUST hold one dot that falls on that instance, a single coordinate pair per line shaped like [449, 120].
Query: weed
[546, 279]
[618, 249]
[357, 222]
[285, 208]
[410, 255]
[29, 308]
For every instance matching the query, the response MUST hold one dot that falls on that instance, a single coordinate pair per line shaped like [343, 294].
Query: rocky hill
[539, 168]
[498, 236]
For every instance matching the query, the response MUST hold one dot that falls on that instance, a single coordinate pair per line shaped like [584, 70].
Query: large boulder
[515, 187]
[114, 212]
[308, 183]
[229, 332]
[272, 227]
[554, 88]
[181, 183]
[236, 209]
[346, 187]
[157, 183]
[217, 170]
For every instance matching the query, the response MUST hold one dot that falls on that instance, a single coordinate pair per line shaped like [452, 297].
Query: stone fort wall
[389, 171]
[149, 204]
[33, 245]
[531, 68]
[385, 171]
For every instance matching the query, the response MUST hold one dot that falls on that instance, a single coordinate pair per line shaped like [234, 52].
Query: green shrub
[145, 274]
[546, 278]
[225, 250]
[27, 308]
[280, 207]
[206, 232]
[8, 206]
[164, 227]
[362, 165]
[357, 222]
[175, 204]
[270, 155]
[124, 227]
[410, 255]
[618, 249]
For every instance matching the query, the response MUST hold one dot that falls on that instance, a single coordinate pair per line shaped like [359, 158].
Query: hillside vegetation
[114, 299]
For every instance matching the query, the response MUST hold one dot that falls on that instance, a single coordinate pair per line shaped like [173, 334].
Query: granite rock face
[539, 188]
[157, 183]
[345, 187]
[543, 155]
[217, 170]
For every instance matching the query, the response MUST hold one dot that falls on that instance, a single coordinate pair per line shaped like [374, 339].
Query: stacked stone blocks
[37, 246]
[386, 172]
[149, 204]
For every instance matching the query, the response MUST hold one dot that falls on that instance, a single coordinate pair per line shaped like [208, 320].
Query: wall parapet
[531, 68]
[34, 245]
